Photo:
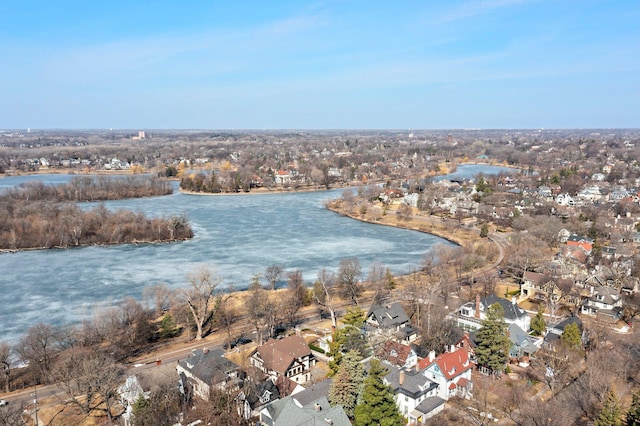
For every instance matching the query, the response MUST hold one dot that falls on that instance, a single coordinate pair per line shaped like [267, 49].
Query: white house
[564, 200]
[416, 395]
[603, 300]
[290, 357]
[470, 315]
[451, 371]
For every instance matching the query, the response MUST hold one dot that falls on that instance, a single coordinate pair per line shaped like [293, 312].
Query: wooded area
[91, 188]
[35, 215]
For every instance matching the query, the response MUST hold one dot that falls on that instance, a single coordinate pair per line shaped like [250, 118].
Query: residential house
[289, 358]
[253, 396]
[564, 200]
[545, 192]
[414, 393]
[555, 331]
[390, 320]
[582, 241]
[522, 344]
[207, 370]
[541, 287]
[451, 371]
[470, 315]
[397, 354]
[289, 412]
[590, 193]
[282, 177]
[603, 301]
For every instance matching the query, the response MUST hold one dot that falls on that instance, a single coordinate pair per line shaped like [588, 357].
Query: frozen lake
[238, 235]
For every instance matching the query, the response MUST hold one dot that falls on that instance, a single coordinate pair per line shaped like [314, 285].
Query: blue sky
[320, 65]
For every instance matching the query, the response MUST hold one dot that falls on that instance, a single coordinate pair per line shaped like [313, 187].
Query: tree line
[91, 188]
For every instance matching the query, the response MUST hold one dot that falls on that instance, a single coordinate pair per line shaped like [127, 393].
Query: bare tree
[556, 365]
[261, 309]
[323, 293]
[201, 297]
[39, 347]
[349, 279]
[226, 317]
[377, 280]
[295, 296]
[404, 213]
[89, 381]
[5, 361]
[162, 297]
[11, 416]
[272, 274]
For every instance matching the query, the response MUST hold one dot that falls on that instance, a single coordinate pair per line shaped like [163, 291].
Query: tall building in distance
[141, 135]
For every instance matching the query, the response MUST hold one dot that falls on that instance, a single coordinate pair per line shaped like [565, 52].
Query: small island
[39, 216]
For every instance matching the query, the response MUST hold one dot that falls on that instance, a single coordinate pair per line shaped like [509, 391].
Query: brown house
[288, 358]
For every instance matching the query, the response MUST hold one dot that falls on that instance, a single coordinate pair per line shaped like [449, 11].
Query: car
[238, 342]
[3, 402]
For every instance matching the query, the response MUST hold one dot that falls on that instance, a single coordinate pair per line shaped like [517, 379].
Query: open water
[237, 235]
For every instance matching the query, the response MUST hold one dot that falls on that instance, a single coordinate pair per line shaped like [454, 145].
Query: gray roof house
[289, 412]
[415, 394]
[253, 396]
[470, 315]
[522, 345]
[390, 320]
[207, 370]
[604, 301]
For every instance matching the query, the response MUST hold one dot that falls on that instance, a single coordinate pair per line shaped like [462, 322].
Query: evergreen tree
[348, 338]
[571, 336]
[354, 317]
[378, 406]
[348, 383]
[633, 415]
[168, 327]
[538, 325]
[611, 414]
[493, 345]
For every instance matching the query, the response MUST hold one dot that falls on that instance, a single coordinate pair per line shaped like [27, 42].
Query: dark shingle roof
[313, 392]
[430, 404]
[389, 316]
[209, 366]
[286, 412]
[414, 383]
[511, 310]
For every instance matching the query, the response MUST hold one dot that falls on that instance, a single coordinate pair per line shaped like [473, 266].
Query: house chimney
[477, 306]
[205, 350]
[432, 356]
[401, 378]
[513, 300]
[317, 407]
[452, 348]
[328, 421]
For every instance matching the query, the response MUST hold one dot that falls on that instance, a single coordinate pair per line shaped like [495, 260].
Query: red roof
[395, 352]
[452, 385]
[451, 364]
